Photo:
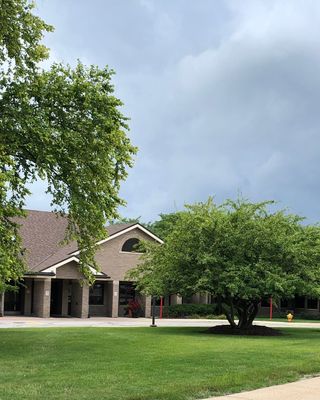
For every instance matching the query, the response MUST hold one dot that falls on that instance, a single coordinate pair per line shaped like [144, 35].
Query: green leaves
[239, 251]
[21, 33]
[63, 125]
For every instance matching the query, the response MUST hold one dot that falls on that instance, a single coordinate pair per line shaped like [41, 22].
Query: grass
[296, 319]
[148, 364]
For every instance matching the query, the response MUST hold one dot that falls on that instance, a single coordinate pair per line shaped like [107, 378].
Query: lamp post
[153, 312]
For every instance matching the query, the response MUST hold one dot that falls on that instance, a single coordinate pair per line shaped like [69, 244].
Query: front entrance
[56, 297]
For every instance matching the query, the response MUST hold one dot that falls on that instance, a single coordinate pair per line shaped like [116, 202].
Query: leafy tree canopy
[62, 125]
[240, 252]
[164, 226]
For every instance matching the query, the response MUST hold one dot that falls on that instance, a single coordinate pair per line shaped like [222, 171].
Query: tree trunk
[247, 312]
[228, 311]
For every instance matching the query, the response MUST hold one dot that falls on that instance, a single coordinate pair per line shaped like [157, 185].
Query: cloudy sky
[223, 96]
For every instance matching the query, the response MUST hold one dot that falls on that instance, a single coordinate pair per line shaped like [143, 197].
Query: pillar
[112, 299]
[27, 296]
[80, 300]
[176, 299]
[147, 306]
[41, 297]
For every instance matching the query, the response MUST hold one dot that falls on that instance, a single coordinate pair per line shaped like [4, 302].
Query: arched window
[131, 245]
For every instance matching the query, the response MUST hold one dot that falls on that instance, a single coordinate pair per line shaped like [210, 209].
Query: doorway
[13, 301]
[56, 297]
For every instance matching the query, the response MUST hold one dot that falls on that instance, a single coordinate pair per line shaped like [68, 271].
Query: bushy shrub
[188, 310]
[303, 315]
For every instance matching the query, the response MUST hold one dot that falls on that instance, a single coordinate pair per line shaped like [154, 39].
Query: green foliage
[188, 310]
[165, 225]
[238, 251]
[21, 33]
[62, 125]
[126, 220]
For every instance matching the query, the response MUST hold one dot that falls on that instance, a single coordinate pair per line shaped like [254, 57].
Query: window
[312, 303]
[265, 302]
[127, 292]
[131, 245]
[299, 301]
[96, 295]
[187, 300]
[284, 303]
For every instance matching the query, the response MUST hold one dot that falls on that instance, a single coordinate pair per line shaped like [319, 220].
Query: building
[52, 286]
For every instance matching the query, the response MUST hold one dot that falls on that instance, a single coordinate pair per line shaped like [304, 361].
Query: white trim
[130, 228]
[54, 267]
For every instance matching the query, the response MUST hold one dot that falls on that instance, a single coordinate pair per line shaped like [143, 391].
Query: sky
[223, 96]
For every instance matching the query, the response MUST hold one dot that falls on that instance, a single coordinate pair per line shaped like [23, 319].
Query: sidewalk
[307, 389]
[34, 322]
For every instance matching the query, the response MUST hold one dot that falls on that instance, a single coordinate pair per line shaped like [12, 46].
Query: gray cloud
[223, 96]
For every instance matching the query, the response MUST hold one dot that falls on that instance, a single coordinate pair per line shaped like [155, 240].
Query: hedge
[187, 310]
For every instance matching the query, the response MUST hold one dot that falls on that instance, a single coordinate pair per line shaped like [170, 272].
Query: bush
[303, 315]
[188, 310]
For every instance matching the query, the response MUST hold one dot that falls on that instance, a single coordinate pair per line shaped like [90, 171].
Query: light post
[153, 312]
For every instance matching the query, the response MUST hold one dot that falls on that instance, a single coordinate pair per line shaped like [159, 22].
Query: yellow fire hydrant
[289, 317]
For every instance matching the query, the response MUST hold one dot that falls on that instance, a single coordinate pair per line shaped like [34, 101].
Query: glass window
[312, 303]
[299, 301]
[131, 245]
[96, 294]
[127, 292]
[187, 300]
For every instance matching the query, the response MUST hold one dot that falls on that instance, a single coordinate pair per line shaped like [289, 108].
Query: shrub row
[188, 310]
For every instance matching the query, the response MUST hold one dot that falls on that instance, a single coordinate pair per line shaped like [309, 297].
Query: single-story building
[52, 286]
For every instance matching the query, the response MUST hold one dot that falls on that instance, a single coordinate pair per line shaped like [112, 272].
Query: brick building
[52, 285]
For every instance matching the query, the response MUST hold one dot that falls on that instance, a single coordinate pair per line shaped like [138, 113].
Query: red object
[161, 306]
[270, 308]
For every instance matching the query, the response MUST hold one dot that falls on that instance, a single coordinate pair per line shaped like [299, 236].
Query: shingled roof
[42, 233]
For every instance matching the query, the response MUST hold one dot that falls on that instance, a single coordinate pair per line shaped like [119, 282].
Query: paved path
[307, 389]
[33, 322]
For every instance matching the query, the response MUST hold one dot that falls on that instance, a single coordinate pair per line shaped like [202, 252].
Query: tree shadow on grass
[286, 333]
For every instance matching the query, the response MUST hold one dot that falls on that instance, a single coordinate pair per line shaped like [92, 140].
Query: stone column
[42, 297]
[147, 306]
[27, 296]
[1, 304]
[175, 299]
[115, 299]
[80, 300]
[203, 298]
[112, 299]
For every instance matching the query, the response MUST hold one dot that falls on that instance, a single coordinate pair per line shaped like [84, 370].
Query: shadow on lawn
[286, 333]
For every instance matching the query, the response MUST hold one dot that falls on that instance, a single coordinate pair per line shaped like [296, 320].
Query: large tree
[164, 226]
[63, 125]
[240, 252]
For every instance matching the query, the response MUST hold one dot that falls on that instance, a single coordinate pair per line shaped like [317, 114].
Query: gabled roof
[42, 233]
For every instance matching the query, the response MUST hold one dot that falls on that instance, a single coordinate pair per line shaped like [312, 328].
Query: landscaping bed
[254, 330]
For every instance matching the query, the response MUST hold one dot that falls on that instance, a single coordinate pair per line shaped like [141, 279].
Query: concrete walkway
[307, 389]
[34, 322]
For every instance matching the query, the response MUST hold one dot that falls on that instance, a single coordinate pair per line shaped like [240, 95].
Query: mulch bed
[254, 330]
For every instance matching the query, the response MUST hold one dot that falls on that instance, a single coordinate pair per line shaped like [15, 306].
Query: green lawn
[146, 363]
